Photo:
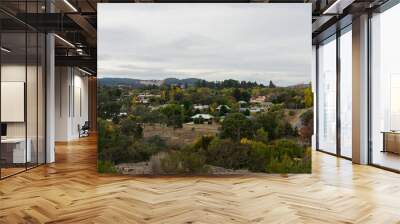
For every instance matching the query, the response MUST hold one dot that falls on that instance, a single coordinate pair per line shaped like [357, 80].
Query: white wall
[71, 102]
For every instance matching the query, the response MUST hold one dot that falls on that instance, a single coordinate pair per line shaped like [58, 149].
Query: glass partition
[346, 93]
[13, 115]
[22, 93]
[385, 89]
[41, 97]
[31, 98]
[327, 96]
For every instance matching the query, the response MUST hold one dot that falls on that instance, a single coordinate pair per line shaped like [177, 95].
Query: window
[385, 89]
[346, 93]
[327, 96]
[22, 95]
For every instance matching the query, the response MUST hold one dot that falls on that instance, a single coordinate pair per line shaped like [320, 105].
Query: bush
[260, 155]
[171, 163]
[289, 148]
[271, 122]
[283, 165]
[192, 162]
[173, 114]
[105, 167]
[262, 135]
[186, 161]
[157, 141]
[236, 126]
[307, 117]
[246, 112]
[289, 165]
[228, 154]
[199, 120]
[289, 157]
[285, 129]
[203, 142]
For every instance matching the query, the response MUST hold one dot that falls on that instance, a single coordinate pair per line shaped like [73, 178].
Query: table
[391, 141]
[13, 150]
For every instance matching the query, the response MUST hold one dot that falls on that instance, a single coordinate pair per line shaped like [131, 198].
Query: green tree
[308, 97]
[236, 126]
[174, 115]
[223, 110]
[130, 127]
[270, 122]
[262, 135]
[260, 155]
[228, 154]
[237, 94]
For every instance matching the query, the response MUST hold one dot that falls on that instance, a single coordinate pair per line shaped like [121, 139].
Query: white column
[314, 90]
[50, 100]
[360, 90]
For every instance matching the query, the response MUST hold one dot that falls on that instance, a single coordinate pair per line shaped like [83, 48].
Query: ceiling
[75, 21]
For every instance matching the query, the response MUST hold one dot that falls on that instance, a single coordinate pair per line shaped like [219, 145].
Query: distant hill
[300, 86]
[135, 83]
[174, 81]
[119, 81]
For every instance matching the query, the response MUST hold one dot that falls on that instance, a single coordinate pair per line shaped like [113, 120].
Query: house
[243, 109]
[220, 107]
[266, 105]
[144, 98]
[122, 114]
[206, 117]
[201, 107]
[256, 109]
[258, 99]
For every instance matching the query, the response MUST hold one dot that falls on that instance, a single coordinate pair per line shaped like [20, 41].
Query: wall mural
[204, 89]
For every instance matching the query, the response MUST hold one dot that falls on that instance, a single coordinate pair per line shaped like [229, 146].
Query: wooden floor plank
[71, 191]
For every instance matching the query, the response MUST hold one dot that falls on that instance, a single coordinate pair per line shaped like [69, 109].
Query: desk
[391, 141]
[14, 150]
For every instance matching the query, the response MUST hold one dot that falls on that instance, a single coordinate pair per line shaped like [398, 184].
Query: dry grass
[181, 136]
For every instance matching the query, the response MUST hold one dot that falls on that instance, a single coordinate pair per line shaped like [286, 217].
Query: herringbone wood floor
[70, 191]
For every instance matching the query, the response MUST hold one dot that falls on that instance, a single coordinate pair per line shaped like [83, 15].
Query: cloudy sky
[252, 42]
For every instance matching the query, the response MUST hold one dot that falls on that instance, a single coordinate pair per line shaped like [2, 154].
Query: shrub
[157, 141]
[130, 127]
[270, 122]
[199, 120]
[289, 148]
[171, 163]
[186, 161]
[287, 156]
[236, 126]
[262, 135]
[203, 142]
[260, 155]
[289, 165]
[105, 167]
[227, 154]
[173, 114]
[192, 162]
[283, 165]
[246, 112]
[307, 117]
[285, 129]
